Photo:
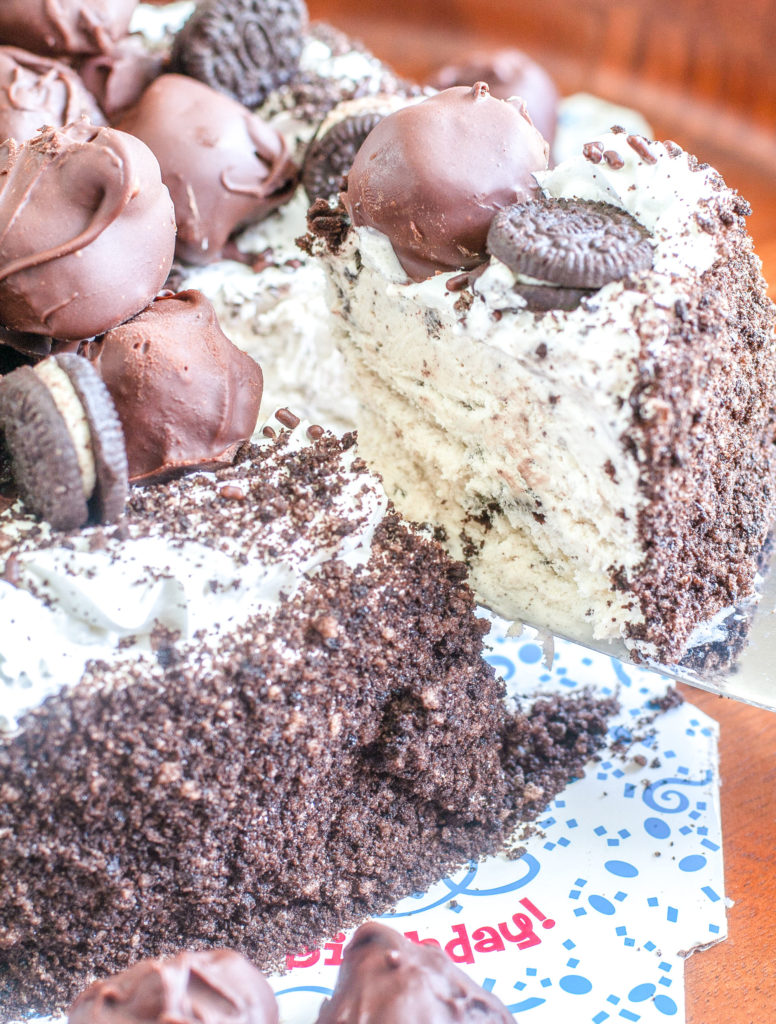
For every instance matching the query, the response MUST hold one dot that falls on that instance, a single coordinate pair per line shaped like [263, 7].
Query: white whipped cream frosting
[72, 605]
[664, 196]
[504, 427]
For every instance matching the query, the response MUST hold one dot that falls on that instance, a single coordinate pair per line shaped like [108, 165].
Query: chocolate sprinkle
[287, 418]
[613, 158]
[593, 151]
[639, 144]
[245, 48]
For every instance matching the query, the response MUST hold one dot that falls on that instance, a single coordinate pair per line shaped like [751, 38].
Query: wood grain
[704, 74]
[734, 982]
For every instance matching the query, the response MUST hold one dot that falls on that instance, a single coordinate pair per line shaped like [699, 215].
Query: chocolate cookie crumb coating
[508, 72]
[213, 986]
[37, 91]
[246, 798]
[386, 979]
[223, 165]
[67, 27]
[185, 394]
[436, 210]
[88, 231]
[244, 48]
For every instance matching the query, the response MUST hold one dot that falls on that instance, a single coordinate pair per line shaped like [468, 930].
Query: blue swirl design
[527, 1004]
[306, 988]
[464, 887]
[505, 667]
[654, 793]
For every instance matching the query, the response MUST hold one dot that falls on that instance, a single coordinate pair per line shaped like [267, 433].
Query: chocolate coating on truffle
[211, 987]
[118, 79]
[432, 176]
[223, 165]
[186, 396]
[87, 228]
[66, 27]
[508, 72]
[37, 91]
[386, 979]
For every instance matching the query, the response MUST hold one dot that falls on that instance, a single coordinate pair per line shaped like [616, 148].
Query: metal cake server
[736, 659]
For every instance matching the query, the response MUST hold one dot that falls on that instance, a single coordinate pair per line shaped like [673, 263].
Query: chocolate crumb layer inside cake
[587, 413]
[278, 721]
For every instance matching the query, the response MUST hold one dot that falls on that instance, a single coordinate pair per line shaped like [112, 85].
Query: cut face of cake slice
[598, 449]
[276, 721]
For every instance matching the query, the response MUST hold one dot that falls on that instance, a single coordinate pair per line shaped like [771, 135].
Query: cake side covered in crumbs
[261, 777]
[580, 398]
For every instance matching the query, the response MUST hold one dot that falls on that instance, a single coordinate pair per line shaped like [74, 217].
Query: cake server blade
[736, 657]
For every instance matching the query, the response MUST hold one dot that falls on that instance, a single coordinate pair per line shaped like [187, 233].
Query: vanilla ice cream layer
[506, 429]
[101, 595]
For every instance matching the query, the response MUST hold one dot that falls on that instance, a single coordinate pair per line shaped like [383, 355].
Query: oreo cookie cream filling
[604, 465]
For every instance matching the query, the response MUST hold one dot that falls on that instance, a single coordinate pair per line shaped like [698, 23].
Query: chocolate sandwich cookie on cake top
[574, 379]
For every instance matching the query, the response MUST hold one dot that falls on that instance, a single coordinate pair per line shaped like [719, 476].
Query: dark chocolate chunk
[329, 157]
[386, 979]
[218, 986]
[245, 48]
[574, 243]
[64, 442]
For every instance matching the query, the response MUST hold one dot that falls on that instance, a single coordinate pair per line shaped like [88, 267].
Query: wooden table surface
[733, 982]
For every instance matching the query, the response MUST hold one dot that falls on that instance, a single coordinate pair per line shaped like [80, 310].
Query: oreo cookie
[571, 243]
[64, 442]
[244, 48]
[330, 156]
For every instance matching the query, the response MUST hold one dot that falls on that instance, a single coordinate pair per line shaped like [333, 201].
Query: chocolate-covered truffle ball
[433, 175]
[185, 395]
[508, 72]
[37, 91]
[211, 987]
[386, 979]
[66, 27]
[87, 228]
[223, 165]
[117, 79]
